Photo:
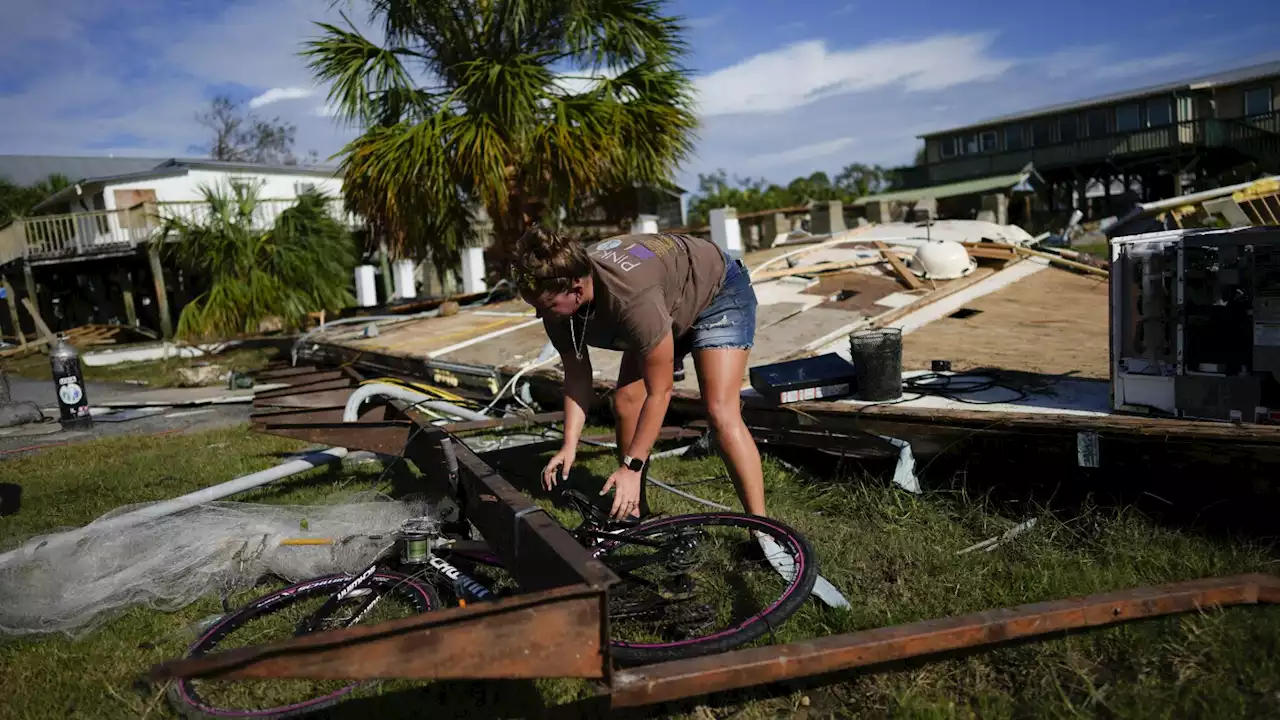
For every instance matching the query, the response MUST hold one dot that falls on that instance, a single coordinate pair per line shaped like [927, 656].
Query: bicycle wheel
[276, 617]
[663, 564]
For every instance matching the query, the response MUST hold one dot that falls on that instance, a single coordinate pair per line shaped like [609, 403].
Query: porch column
[645, 225]
[14, 318]
[473, 270]
[404, 276]
[725, 231]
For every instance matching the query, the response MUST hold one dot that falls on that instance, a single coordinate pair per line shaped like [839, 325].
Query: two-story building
[1104, 153]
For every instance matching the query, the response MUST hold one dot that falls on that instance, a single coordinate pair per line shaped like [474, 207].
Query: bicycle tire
[795, 595]
[184, 698]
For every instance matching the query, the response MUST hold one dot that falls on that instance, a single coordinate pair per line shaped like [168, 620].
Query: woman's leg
[720, 372]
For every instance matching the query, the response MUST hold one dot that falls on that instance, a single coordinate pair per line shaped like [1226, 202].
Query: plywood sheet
[1053, 322]
[431, 334]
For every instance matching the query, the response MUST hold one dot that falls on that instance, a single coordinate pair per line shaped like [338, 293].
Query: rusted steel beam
[763, 665]
[505, 422]
[275, 373]
[325, 394]
[534, 548]
[343, 382]
[297, 379]
[384, 438]
[308, 416]
[554, 633]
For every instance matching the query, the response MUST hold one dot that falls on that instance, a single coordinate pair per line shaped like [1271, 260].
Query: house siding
[190, 187]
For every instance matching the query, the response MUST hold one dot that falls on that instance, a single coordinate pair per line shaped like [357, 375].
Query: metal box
[1195, 324]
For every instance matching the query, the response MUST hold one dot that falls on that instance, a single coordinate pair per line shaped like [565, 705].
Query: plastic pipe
[351, 412]
[190, 500]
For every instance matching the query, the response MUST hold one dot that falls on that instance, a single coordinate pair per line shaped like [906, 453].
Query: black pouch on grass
[10, 499]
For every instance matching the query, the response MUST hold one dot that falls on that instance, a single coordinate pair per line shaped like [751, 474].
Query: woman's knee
[724, 414]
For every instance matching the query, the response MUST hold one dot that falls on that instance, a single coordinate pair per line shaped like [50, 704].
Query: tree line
[749, 194]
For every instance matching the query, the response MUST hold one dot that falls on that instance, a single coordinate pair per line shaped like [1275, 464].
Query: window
[1257, 101]
[1068, 128]
[970, 144]
[1042, 133]
[1128, 118]
[947, 147]
[989, 141]
[1096, 123]
[1159, 112]
[301, 188]
[1014, 138]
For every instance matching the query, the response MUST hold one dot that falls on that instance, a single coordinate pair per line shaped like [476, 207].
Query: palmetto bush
[253, 272]
[522, 107]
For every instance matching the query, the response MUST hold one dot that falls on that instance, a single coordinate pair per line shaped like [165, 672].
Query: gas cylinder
[73, 401]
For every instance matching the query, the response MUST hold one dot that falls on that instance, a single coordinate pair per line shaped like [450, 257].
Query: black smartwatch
[631, 463]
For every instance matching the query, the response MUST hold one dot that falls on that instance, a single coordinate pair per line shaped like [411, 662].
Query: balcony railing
[108, 232]
[1254, 134]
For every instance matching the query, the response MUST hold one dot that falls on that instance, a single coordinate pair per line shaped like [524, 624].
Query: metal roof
[30, 169]
[1229, 77]
[967, 187]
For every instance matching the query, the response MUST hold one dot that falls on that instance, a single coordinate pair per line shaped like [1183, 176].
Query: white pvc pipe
[190, 500]
[351, 412]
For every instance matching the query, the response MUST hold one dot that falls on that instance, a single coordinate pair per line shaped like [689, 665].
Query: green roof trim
[967, 187]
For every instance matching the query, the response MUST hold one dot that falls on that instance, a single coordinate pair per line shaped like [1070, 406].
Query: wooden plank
[775, 663]
[39, 321]
[899, 268]
[817, 268]
[12, 301]
[553, 633]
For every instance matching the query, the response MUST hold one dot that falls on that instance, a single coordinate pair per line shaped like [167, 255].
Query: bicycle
[422, 559]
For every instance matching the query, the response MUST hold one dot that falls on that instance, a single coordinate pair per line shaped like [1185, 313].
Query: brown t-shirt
[645, 285]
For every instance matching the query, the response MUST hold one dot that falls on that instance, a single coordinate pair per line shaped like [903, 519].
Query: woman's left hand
[626, 497]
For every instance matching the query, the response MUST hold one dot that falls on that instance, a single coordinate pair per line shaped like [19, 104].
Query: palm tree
[522, 107]
[300, 263]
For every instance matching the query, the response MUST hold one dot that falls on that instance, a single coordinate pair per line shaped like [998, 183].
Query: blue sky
[785, 87]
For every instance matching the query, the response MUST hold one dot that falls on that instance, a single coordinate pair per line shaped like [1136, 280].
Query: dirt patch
[1053, 322]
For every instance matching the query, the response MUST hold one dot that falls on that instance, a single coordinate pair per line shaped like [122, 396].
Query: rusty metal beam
[303, 378]
[776, 663]
[554, 633]
[547, 418]
[275, 373]
[535, 549]
[325, 394]
[384, 438]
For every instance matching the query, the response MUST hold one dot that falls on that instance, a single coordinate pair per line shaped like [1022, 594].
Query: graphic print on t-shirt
[630, 257]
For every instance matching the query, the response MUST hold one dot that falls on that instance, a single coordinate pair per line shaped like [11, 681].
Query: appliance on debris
[823, 377]
[1195, 324]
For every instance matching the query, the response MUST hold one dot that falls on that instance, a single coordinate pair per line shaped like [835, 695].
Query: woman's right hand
[562, 460]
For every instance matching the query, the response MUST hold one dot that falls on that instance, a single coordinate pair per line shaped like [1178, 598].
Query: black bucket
[877, 361]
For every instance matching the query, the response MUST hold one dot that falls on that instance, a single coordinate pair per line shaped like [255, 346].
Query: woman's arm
[659, 377]
[579, 394]
[657, 369]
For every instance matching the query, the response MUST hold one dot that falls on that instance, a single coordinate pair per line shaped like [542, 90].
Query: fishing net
[75, 580]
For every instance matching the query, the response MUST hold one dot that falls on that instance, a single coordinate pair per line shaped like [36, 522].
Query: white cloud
[1101, 62]
[807, 71]
[845, 9]
[275, 95]
[803, 153]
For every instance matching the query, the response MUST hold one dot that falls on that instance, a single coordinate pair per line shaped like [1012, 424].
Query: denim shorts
[730, 320]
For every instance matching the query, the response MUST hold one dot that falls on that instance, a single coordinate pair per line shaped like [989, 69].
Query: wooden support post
[14, 318]
[29, 279]
[162, 296]
[126, 291]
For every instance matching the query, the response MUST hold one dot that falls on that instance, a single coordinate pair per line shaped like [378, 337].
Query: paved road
[28, 438]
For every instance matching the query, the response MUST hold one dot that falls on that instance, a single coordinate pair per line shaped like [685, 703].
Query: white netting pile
[73, 581]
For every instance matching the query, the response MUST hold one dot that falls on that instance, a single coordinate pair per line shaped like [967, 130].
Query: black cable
[955, 387]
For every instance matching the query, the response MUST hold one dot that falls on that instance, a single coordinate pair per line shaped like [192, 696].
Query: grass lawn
[891, 553]
[155, 374]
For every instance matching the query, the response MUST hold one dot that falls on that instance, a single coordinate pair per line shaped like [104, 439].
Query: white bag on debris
[171, 561]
